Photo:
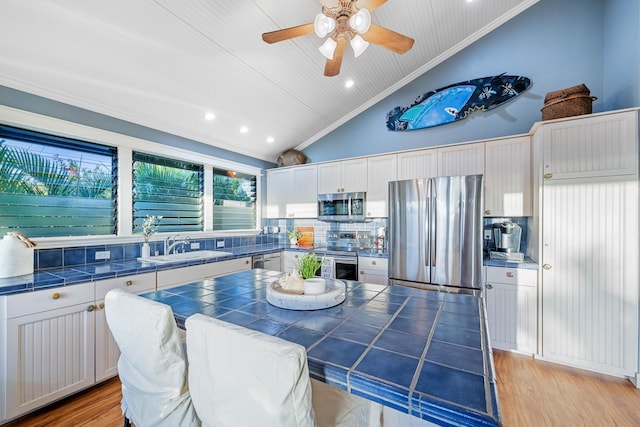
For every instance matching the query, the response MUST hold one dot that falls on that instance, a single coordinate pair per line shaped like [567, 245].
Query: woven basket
[572, 101]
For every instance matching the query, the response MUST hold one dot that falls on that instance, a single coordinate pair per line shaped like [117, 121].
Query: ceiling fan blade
[288, 33]
[388, 39]
[332, 67]
[369, 4]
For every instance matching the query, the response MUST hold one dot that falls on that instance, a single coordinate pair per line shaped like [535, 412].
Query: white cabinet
[290, 260]
[292, 192]
[373, 270]
[507, 177]
[464, 159]
[48, 339]
[183, 275]
[418, 164]
[381, 170]
[343, 176]
[588, 207]
[107, 351]
[511, 301]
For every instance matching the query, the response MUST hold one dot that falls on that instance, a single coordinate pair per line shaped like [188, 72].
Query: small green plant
[293, 234]
[149, 226]
[309, 265]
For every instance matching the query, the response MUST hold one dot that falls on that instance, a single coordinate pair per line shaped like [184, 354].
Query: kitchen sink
[185, 256]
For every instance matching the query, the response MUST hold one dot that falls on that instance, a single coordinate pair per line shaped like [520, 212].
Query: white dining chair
[242, 377]
[152, 366]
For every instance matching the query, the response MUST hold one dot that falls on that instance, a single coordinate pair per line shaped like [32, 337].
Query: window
[170, 188]
[234, 200]
[55, 186]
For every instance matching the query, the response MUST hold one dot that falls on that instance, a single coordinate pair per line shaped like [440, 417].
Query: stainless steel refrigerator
[435, 233]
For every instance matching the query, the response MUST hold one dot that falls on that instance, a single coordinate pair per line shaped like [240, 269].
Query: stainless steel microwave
[342, 207]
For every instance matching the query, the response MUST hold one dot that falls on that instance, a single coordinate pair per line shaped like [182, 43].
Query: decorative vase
[293, 241]
[146, 250]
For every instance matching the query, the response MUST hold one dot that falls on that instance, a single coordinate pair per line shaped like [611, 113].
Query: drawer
[49, 299]
[512, 276]
[134, 284]
[378, 265]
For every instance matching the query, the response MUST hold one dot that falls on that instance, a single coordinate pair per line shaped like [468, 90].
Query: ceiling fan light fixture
[361, 21]
[328, 48]
[359, 45]
[323, 25]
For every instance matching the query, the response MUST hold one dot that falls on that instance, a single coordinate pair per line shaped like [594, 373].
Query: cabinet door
[418, 164]
[279, 188]
[590, 274]
[381, 170]
[507, 178]
[466, 159]
[354, 175]
[302, 202]
[373, 270]
[603, 145]
[49, 355]
[329, 177]
[290, 260]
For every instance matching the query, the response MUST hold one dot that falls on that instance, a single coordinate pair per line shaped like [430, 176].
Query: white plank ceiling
[165, 63]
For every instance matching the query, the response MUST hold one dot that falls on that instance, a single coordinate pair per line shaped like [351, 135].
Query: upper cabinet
[418, 164]
[381, 170]
[345, 176]
[292, 192]
[603, 145]
[465, 159]
[507, 177]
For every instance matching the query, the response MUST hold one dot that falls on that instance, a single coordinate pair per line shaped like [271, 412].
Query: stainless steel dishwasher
[271, 261]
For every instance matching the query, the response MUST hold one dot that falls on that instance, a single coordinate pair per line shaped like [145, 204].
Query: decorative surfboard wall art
[455, 102]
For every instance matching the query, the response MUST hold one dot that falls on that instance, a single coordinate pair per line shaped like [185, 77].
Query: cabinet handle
[548, 175]
[246, 262]
[55, 296]
[373, 263]
[487, 212]
[509, 274]
[295, 256]
[362, 273]
[101, 306]
[128, 283]
[547, 267]
[489, 286]
[91, 308]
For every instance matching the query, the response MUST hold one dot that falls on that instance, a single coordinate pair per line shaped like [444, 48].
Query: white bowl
[315, 286]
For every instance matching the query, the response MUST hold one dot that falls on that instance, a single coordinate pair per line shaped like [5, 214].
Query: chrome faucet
[171, 242]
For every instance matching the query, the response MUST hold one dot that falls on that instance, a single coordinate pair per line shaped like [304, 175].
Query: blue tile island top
[420, 352]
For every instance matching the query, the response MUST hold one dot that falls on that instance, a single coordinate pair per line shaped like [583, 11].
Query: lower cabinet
[290, 260]
[373, 270]
[511, 301]
[179, 276]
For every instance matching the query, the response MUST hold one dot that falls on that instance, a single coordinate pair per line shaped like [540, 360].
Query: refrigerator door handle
[432, 223]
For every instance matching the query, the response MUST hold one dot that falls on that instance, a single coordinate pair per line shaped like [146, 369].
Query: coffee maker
[506, 237]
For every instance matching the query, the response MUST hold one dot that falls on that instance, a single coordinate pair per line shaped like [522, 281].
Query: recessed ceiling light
[270, 140]
[244, 129]
[349, 83]
[209, 116]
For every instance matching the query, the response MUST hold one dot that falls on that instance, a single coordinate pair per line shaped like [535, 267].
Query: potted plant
[309, 264]
[293, 236]
[149, 227]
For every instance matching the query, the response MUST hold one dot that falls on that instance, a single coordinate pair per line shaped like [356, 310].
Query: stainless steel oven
[342, 254]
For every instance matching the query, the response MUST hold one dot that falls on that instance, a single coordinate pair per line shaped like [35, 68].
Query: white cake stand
[332, 296]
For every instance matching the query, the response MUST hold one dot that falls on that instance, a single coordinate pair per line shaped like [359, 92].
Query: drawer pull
[91, 308]
[101, 306]
[548, 175]
[128, 283]
[373, 263]
[489, 286]
[509, 273]
[55, 296]
[487, 212]
[547, 267]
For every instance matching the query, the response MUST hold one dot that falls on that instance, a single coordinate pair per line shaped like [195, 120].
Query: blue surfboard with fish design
[456, 101]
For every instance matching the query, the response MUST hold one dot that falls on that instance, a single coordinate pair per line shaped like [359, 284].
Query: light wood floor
[531, 392]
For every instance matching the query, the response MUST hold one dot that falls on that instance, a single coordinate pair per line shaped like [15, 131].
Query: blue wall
[47, 107]
[557, 44]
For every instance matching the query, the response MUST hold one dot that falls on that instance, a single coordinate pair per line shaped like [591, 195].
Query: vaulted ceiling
[166, 63]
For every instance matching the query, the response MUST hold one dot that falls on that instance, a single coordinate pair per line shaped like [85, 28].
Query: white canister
[16, 256]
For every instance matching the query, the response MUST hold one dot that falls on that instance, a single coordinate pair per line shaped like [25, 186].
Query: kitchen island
[419, 352]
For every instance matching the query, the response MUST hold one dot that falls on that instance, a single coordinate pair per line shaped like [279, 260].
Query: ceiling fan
[342, 21]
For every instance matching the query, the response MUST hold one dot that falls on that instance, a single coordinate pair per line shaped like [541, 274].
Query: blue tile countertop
[420, 352]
